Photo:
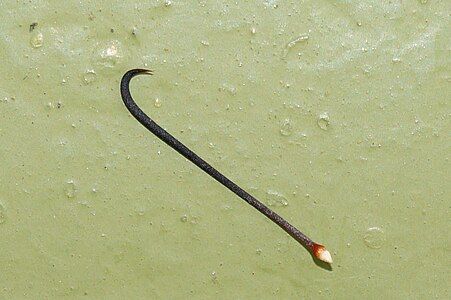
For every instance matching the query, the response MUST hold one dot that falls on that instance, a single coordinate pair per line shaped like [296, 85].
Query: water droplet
[232, 90]
[323, 121]
[89, 76]
[194, 220]
[374, 237]
[271, 3]
[214, 277]
[423, 1]
[2, 214]
[276, 199]
[157, 102]
[71, 189]
[286, 128]
[167, 3]
[51, 105]
[184, 218]
[109, 54]
[37, 40]
[226, 207]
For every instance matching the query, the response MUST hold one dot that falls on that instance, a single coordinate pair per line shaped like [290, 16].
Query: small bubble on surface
[157, 102]
[232, 90]
[276, 199]
[53, 105]
[184, 218]
[37, 40]
[194, 220]
[110, 53]
[374, 237]
[214, 277]
[323, 121]
[2, 214]
[141, 211]
[70, 189]
[89, 76]
[286, 128]
[226, 207]
[271, 3]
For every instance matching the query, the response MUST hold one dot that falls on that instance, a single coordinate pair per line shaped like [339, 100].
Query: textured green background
[335, 113]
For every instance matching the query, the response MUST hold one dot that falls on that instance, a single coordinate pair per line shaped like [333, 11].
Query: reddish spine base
[317, 249]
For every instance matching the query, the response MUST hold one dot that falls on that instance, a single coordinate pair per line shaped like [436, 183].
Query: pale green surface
[92, 205]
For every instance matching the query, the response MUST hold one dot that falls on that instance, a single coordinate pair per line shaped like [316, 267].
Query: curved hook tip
[143, 71]
[134, 72]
